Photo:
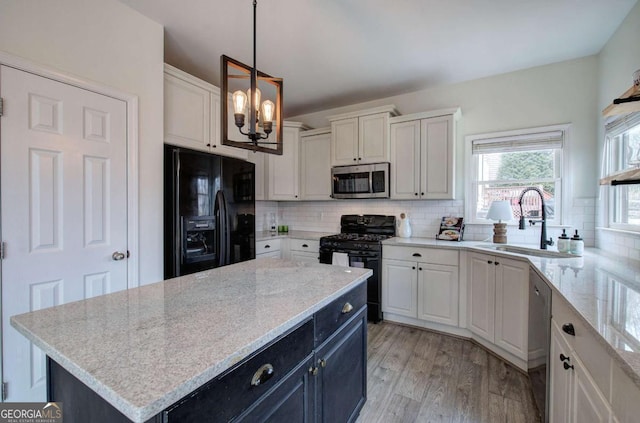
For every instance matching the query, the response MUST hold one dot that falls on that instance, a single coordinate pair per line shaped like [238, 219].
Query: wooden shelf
[624, 108]
[625, 175]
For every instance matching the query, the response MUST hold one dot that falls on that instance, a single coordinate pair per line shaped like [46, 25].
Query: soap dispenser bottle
[564, 242]
[576, 244]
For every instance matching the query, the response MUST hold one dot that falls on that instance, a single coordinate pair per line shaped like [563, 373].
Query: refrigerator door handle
[223, 229]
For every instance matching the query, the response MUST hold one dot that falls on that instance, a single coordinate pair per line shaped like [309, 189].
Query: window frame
[562, 180]
[613, 152]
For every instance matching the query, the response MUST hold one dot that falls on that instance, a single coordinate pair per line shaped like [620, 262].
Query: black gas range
[361, 239]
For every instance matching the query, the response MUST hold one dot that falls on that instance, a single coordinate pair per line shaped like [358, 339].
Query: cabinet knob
[496, 263]
[313, 371]
[567, 366]
[322, 362]
[422, 193]
[354, 159]
[347, 308]
[413, 268]
[214, 146]
[263, 374]
[419, 268]
[359, 158]
[208, 145]
[415, 194]
[564, 357]
[569, 329]
[489, 261]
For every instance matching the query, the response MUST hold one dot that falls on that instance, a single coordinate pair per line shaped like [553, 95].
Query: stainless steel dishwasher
[539, 341]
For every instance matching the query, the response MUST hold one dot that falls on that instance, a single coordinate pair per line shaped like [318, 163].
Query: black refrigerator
[209, 211]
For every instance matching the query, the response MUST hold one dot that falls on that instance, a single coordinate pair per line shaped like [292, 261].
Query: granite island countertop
[145, 348]
[592, 285]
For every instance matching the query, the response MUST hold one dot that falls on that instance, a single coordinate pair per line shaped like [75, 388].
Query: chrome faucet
[543, 233]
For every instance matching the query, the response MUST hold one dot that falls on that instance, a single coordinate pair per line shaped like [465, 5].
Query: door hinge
[3, 247]
[1, 104]
[4, 391]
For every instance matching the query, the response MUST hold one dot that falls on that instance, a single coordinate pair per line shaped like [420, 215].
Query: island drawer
[423, 255]
[228, 395]
[332, 316]
[268, 245]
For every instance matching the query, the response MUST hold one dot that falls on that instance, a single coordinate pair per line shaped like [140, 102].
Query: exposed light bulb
[268, 108]
[239, 102]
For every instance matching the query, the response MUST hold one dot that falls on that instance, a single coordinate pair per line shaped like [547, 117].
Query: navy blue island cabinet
[316, 372]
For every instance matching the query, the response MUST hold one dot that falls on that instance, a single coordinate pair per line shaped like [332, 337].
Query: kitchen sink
[529, 251]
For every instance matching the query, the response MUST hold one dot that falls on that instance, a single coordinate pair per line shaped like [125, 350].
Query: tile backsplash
[424, 216]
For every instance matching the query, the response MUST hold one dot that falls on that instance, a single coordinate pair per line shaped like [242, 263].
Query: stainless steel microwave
[360, 181]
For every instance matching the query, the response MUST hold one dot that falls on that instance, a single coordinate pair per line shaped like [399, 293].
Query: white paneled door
[64, 208]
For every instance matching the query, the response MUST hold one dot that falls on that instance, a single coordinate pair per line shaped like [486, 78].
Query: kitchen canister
[404, 228]
[576, 245]
[564, 243]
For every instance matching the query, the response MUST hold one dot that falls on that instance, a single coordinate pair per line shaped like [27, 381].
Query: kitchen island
[145, 350]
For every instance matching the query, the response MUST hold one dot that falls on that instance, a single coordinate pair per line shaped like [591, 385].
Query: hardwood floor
[414, 375]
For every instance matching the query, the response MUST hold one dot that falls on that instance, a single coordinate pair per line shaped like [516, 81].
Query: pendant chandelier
[256, 101]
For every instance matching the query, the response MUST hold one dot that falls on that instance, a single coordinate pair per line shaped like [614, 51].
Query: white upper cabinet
[315, 164]
[192, 114]
[423, 155]
[361, 137]
[260, 159]
[284, 170]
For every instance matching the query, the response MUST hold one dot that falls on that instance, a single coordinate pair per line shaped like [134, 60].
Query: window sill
[618, 231]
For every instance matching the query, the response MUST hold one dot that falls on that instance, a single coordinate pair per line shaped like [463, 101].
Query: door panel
[399, 288]
[64, 208]
[482, 295]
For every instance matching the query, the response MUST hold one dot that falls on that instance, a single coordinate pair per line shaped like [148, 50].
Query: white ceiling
[332, 53]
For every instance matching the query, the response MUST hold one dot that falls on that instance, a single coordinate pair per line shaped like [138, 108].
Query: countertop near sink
[596, 285]
[265, 235]
[145, 348]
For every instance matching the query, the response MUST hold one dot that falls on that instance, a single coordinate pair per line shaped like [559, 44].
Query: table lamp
[500, 210]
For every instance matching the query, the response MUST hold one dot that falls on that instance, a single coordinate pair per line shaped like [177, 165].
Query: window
[622, 152]
[503, 164]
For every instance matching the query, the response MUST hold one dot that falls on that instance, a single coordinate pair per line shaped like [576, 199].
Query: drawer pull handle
[347, 308]
[262, 375]
[322, 362]
[305, 246]
[417, 255]
[564, 357]
[569, 329]
[496, 263]
[567, 366]
[267, 246]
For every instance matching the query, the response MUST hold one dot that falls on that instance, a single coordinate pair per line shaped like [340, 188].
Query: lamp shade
[500, 210]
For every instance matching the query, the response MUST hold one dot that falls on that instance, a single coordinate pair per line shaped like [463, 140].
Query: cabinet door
[344, 142]
[283, 170]
[342, 376]
[560, 379]
[216, 132]
[512, 306]
[187, 111]
[589, 405]
[438, 293]
[481, 293]
[437, 157]
[315, 167]
[405, 160]
[399, 287]
[292, 400]
[373, 138]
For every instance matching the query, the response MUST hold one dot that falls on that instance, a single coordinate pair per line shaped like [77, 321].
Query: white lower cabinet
[498, 307]
[307, 250]
[269, 248]
[574, 396]
[420, 283]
